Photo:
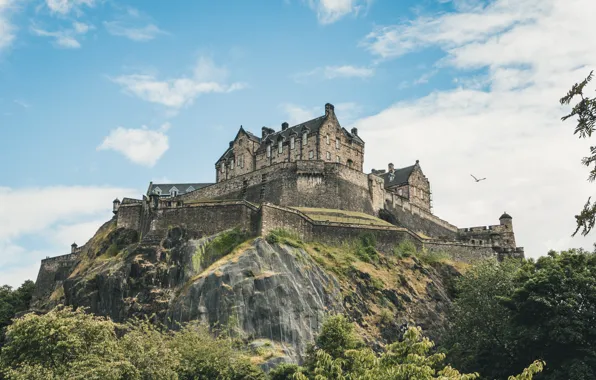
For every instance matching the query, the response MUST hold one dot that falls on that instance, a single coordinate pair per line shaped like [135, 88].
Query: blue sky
[99, 97]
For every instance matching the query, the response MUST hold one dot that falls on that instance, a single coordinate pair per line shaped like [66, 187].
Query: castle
[309, 179]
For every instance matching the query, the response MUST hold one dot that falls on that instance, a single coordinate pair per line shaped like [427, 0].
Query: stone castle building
[307, 178]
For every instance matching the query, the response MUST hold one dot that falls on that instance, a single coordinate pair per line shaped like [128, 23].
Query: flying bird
[476, 179]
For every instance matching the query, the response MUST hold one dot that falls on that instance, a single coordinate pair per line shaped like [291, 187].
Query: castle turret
[115, 205]
[73, 248]
[507, 236]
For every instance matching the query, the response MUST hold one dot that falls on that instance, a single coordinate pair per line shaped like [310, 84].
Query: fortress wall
[275, 217]
[298, 184]
[129, 216]
[461, 252]
[51, 275]
[209, 218]
[418, 220]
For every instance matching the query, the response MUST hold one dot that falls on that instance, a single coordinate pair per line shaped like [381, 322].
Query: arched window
[280, 147]
[304, 138]
[292, 142]
[327, 139]
[268, 150]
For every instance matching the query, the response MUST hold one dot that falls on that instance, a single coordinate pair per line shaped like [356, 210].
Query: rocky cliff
[272, 291]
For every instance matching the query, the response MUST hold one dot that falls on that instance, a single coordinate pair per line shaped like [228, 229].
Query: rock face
[253, 288]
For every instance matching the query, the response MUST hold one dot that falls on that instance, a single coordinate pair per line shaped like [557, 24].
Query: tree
[13, 302]
[585, 111]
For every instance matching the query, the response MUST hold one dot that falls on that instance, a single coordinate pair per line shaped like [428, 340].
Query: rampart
[299, 184]
[416, 219]
[52, 273]
[208, 218]
[460, 251]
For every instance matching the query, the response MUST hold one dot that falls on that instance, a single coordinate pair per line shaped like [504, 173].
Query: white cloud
[50, 214]
[334, 72]
[141, 146]
[7, 29]
[145, 33]
[504, 125]
[330, 11]
[179, 92]
[66, 38]
[64, 7]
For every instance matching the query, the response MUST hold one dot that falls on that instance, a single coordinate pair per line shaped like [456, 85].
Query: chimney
[266, 131]
[329, 109]
[73, 248]
[355, 131]
[284, 126]
[391, 168]
[231, 144]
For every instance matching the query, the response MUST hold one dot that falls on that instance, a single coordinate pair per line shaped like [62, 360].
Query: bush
[281, 236]
[404, 249]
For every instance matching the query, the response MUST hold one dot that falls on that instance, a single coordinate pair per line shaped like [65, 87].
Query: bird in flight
[476, 179]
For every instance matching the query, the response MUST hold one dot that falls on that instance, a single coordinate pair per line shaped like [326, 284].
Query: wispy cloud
[178, 92]
[7, 29]
[134, 25]
[330, 11]
[74, 215]
[334, 72]
[64, 7]
[22, 103]
[65, 38]
[145, 33]
[141, 146]
[503, 123]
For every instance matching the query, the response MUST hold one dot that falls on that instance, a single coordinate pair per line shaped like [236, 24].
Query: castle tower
[507, 235]
[73, 248]
[115, 205]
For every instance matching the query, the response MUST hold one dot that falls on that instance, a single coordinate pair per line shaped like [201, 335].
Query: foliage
[285, 371]
[585, 111]
[365, 248]
[340, 355]
[405, 249]
[71, 344]
[513, 313]
[281, 236]
[222, 245]
[13, 302]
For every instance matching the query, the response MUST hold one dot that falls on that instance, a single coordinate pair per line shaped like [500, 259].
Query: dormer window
[190, 188]
[174, 192]
[157, 191]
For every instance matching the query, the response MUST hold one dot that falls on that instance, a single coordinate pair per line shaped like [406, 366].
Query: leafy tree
[411, 358]
[479, 336]
[585, 111]
[14, 301]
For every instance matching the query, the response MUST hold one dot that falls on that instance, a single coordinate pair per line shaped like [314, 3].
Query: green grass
[222, 245]
[342, 216]
[282, 236]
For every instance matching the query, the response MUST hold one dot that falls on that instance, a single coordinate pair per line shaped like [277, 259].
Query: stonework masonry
[316, 164]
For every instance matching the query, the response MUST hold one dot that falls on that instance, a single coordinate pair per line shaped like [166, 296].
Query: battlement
[481, 229]
[68, 258]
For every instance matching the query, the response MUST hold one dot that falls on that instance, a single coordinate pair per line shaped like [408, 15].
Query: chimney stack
[329, 109]
[355, 131]
[391, 168]
[231, 144]
[284, 126]
[266, 131]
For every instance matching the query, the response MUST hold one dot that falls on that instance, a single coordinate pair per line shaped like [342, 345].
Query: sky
[99, 97]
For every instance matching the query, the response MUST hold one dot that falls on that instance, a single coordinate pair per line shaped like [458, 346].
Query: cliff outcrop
[272, 291]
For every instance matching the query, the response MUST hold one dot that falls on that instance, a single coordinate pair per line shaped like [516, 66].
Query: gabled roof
[181, 187]
[398, 177]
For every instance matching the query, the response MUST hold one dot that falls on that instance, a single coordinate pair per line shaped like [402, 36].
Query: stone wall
[416, 219]
[52, 273]
[467, 253]
[277, 217]
[134, 215]
[209, 218]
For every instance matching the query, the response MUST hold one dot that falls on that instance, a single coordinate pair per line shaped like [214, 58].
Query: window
[269, 150]
[327, 139]
[232, 164]
[280, 147]
[350, 163]
[241, 161]
[311, 155]
[399, 192]
[337, 143]
[304, 138]
[338, 159]
[292, 142]
[328, 156]
[157, 191]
